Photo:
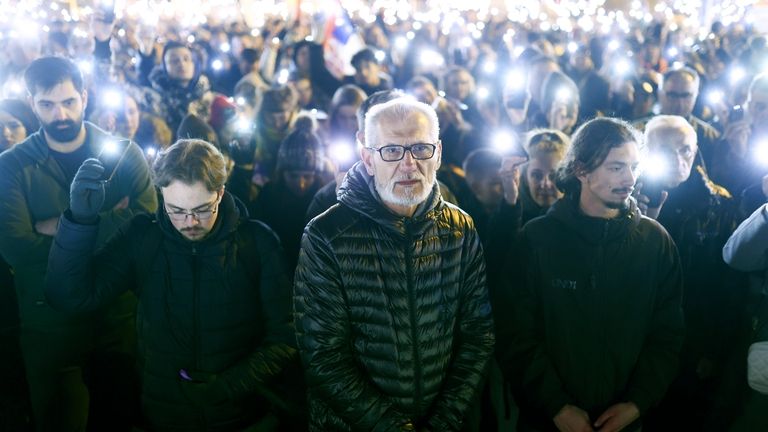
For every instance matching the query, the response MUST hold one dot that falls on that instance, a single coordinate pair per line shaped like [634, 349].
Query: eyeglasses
[200, 215]
[394, 152]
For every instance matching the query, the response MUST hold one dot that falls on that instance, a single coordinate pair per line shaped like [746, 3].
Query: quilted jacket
[392, 313]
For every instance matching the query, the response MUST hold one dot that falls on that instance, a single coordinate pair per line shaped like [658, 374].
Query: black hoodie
[595, 316]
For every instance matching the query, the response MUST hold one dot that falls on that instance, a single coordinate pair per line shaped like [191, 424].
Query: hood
[595, 230]
[231, 213]
[358, 192]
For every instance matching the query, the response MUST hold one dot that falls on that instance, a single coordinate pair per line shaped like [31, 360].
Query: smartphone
[736, 114]
[652, 189]
[111, 156]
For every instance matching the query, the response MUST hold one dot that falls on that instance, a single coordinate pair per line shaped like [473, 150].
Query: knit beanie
[301, 150]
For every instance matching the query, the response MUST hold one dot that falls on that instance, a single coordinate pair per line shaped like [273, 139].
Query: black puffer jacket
[392, 313]
[596, 319]
[199, 311]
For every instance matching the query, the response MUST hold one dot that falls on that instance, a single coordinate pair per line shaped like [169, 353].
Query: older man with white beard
[392, 314]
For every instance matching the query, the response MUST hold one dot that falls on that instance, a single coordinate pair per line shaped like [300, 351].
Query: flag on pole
[341, 40]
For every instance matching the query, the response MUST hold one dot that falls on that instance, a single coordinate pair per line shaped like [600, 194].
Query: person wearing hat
[17, 122]
[284, 200]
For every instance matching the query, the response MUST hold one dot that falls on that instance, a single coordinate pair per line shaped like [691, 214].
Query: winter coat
[34, 188]
[213, 320]
[594, 318]
[172, 103]
[392, 314]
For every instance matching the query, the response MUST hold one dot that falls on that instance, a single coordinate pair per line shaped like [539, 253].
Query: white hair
[397, 112]
[666, 126]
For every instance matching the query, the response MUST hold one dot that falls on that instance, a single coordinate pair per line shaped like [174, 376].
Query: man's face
[678, 95]
[304, 89]
[299, 182]
[458, 85]
[487, 188]
[426, 94]
[346, 119]
[179, 197]
[581, 61]
[757, 107]
[610, 185]
[132, 117]
[540, 175]
[678, 152]
[367, 73]
[407, 182]
[180, 64]
[60, 111]
[277, 119]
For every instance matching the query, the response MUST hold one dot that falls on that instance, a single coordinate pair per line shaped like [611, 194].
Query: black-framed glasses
[394, 152]
[200, 215]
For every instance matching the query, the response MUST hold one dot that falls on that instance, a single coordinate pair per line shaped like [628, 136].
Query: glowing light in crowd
[737, 74]
[342, 152]
[150, 152]
[282, 76]
[112, 98]
[503, 141]
[715, 97]
[431, 58]
[613, 45]
[110, 148]
[516, 79]
[563, 94]
[401, 43]
[191, 39]
[623, 67]
[489, 67]
[217, 65]
[380, 55]
[573, 47]
[655, 166]
[761, 152]
[86, 66]
[243, 124]
[483, 92]
[240, 100]
[672, 52]
[225, 47]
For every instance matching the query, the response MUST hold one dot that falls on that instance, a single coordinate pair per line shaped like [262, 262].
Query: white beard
[409, 196]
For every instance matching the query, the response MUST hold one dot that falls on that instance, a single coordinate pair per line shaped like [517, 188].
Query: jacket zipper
[599, 279]
[412, 310]
[195, 311]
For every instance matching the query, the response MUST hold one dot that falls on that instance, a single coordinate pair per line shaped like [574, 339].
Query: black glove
[202, 389]
[86, 193]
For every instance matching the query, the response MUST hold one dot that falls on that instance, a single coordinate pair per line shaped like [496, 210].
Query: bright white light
[243, 124]
[672, 52]
[342, 152]
[516, 79]
[275, 40]
[410, 35]
[380, 55]
[655, 166]
[563, 94]
[16, 88]
[121, 32]
[112, 98]
[466, 42]
[110, 148]
[483, 93]
[86, 66]
[240, 100]
[225, 47]
[503, 141]
[150, 152]
[282, 76]
[613, 45]
[255, 32]
[761, 152]
[623, 67]
[401, 43]
[737, 74]
[572, 47]
[715, 97]
[217, 65]
[431, 58]
[417, 25]
[489, 67]
[191, 39]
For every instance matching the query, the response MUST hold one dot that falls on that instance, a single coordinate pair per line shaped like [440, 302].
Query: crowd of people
[503, 226]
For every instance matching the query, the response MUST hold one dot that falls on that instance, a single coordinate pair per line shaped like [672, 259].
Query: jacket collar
[358, 192]
[38, 149]
[595, 230]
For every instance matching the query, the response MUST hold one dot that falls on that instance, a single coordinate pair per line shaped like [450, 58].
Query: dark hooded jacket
[595, 318]
[212, 333]
[392, 314]
[173, 102]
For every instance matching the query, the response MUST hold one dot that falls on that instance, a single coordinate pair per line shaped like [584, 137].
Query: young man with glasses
[391, 307]
[214, 298]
